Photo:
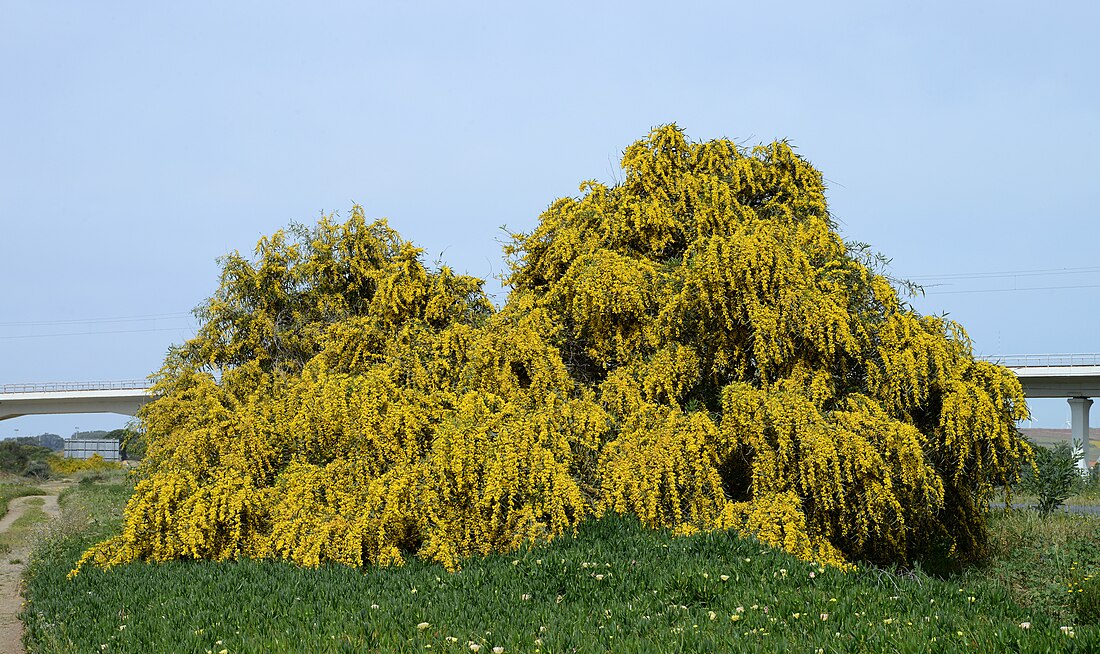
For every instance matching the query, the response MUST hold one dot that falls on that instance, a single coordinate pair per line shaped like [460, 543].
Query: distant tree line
[51, 441]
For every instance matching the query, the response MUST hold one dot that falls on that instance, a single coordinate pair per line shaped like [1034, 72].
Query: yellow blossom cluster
[695, 346]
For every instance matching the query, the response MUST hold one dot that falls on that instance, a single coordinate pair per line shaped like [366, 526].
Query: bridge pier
[1079, 427]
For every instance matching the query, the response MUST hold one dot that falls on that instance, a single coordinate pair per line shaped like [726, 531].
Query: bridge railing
[1045, 360]
[49, 387]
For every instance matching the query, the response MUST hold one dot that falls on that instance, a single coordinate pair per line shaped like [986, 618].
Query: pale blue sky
[140, 141]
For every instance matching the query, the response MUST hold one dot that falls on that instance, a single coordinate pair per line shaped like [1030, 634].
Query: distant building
[84, 448]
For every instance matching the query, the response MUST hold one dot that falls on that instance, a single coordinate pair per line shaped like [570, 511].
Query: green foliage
[37, 470]
[22, 459]
[1054, 478]
[1086, 601]
[1089, 482]
[1047, 562]
[131, 443]
[696, 346]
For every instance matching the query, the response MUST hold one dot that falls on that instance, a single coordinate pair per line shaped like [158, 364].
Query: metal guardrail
[1044, 360]
[48, 387]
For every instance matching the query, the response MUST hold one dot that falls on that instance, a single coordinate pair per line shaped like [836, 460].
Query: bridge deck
[123, 397]
[1055, 375]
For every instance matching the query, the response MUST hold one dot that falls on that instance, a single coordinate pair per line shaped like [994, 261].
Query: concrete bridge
[124, 397]
[1075, 377]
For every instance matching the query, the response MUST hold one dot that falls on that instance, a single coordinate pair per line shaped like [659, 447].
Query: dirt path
[12, 564]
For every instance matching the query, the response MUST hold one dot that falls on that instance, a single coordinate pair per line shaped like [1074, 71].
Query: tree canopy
[696, 346]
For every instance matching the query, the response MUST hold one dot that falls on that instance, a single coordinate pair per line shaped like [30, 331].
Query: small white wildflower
[423, 625]
[1025, 625]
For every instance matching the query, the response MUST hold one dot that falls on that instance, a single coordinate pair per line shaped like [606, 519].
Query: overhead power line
[92, 321]
[1006, 273]
[1013, 290]
[110, 331]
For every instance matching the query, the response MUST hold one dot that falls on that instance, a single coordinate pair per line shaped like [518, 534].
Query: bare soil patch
[13, 562]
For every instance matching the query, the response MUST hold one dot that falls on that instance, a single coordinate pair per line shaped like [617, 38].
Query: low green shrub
[1054, 478]
[15, 457]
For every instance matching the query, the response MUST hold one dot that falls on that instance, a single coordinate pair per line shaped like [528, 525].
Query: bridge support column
[1079, 423]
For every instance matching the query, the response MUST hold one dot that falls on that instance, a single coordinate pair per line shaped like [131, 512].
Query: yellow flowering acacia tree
[695, 346]
[758, 372]
[343, 403]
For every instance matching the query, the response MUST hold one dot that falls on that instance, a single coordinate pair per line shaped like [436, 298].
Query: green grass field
[616, 587]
